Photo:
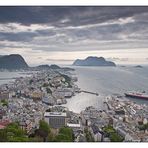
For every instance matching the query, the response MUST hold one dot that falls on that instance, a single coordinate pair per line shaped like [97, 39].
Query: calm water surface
[107, 81]
[6, 77]
[102, 80]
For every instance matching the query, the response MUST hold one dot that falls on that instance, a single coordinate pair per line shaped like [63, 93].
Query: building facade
[55, 119]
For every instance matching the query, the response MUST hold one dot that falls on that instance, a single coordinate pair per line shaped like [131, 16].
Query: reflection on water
[106, 81]
[6, 77]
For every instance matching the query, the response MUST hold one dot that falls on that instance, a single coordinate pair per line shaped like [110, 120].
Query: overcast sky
[62, 34]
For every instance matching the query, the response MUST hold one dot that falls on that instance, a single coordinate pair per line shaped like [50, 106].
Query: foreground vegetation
[112, 134]
[88, 135]
[13, 133]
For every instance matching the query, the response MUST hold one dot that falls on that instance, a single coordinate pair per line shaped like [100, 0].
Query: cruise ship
[138, 95]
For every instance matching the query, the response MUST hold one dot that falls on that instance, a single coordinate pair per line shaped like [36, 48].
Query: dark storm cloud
[74, 28]
[46, 32]
[75, 15]
[21, 36]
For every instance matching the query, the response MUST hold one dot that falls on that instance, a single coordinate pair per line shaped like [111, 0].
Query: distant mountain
[42, 67]
[13, 61]
[93, 61]
[138, 66]
[54, 66]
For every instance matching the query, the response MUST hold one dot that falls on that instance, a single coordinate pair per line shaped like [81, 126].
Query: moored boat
[138, 95]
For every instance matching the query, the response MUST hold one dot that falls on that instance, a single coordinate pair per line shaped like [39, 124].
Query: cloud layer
[55, 30]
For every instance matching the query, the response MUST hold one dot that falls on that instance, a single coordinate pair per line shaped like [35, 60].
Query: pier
[6, 78]
[89, 92]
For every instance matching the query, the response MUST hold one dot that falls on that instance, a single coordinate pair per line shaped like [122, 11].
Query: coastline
[42, 93]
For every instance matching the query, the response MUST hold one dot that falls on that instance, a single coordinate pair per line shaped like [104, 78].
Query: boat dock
[89, 92]
[6, 78]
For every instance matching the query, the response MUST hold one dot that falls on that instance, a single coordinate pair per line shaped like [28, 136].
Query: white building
[55, 119]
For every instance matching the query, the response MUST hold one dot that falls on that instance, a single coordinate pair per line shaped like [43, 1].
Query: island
[93, 61]
[138, 66]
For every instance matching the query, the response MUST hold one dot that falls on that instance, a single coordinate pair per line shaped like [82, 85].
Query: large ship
[138, 95]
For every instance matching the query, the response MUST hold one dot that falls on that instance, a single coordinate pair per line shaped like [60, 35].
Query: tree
[44, 126]
[114, 137]
[31, 81]
[13, 133]
[4, 102]
[19, 139]
[88, 136]
[112, 134]
[43, 130]
[3, 135]
[48, 90]
[45, 85]
[51, 137]
[143, 127]
[62, 138]
[65, 135]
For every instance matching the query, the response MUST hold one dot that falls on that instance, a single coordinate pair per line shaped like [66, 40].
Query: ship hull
[135, 96]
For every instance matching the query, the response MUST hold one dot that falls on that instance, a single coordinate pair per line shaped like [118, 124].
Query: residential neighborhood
[29, 100]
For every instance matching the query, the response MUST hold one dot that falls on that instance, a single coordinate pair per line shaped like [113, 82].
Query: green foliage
[48, 90]
[19, 139]
[13, 133]
[113, 135]
[66, 131]
[4, 102]
[31, 81]
[44, 126]
[51, 137]
[45, 85]
[3, 135]
[43, 130]
[35, 139]
[109, 129]
[88, 136]
[62, 138]
[65, 135]
[143, 126]
[13, 125]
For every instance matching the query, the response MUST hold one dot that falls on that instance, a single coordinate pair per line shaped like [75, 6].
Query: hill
[93, 61]
[13, 61]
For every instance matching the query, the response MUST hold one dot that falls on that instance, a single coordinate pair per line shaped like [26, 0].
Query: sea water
[107, 81]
